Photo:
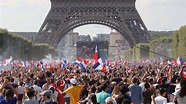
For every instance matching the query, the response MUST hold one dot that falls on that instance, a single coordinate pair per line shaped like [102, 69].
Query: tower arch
[66, 15]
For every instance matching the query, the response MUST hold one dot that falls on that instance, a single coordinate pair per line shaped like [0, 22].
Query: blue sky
[28, 15]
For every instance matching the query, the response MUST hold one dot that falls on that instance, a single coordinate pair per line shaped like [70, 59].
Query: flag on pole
[96, 53]
[175, 62]
[84, 64]
[180, 61]
[77, 61]
[42, 64]
[100, 65]
[7, 61]
[64, 63]
[24, 64]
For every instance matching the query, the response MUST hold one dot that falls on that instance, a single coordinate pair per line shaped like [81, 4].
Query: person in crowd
[177, 85]
[60, 88]
[125, 101]
[180, 96]
[123, 94]
[110, 100]
[54, 95]
[8, 94]
[160, 99]
[46, 97]
[11, 80]
[136, 92]
[147, 94]
[116, 92]
[67, 96]
[87, 100]
[74, 91]
[84, 92]
[46, 85]
[27, 82]
[21, 91]
[101, 96]
[31, 94]
[93, 100]
[165, 84]
[37, 88]
[152, 86]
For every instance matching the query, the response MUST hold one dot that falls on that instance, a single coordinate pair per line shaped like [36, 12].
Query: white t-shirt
[39, 90]
[20, 89]
[160, 100]
[177, 88]
[142, 86]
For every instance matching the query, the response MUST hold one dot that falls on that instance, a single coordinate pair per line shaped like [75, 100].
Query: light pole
[26, 52]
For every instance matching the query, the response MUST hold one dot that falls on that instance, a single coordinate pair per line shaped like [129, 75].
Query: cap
[46, 93]
[73, 81]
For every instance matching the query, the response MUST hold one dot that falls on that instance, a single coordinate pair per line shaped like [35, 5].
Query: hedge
[175, 41]
[141, 51]
[182, 42]
[159, 40]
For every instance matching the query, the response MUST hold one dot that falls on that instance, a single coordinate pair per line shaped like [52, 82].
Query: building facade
[103, 37]
[29, 35]
[67, 45]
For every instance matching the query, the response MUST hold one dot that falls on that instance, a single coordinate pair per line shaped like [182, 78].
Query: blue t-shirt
[1, 98]
[136, 94]
[10, 101]
[102, 96]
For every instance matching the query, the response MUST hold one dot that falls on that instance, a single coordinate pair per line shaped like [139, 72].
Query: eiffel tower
[65, 15]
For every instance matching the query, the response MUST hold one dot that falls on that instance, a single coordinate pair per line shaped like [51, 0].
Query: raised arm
[13, 89]
[3, 85]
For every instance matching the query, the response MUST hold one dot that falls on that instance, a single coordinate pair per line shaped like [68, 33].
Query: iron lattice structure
[65, 15]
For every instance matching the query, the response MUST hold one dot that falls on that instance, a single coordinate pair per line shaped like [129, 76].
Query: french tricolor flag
[24, 64]
[183, 72]
[96, 54]
[100, 65]
[7, 61]
[84, 64]
[78, 61]
[64, 63]
[180, 61]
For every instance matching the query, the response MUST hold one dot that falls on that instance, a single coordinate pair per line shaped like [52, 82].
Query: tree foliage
[182, 42]
[21, 48]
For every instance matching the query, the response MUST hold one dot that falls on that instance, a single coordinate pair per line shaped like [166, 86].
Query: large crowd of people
[129, 83]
